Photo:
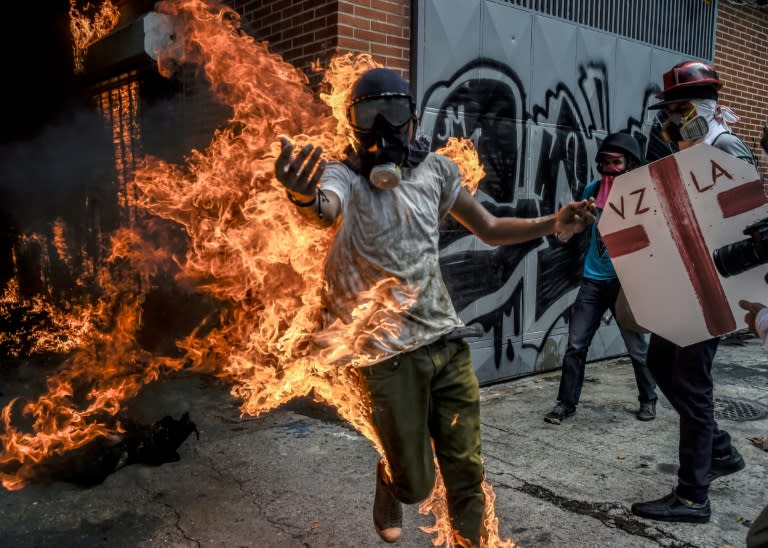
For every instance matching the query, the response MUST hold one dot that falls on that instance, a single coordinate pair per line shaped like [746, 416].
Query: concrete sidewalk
[300, 478]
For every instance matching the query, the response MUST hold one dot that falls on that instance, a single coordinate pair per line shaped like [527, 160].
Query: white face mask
[717, 118]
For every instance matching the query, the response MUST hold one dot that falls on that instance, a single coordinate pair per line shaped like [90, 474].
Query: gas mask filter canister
[688, 127]
[385, 176]
[384, 157]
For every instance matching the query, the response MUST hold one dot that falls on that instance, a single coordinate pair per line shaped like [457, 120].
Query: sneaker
[722, 466]
[673, 508]
[560, 411]
[647, 411]
[387, 511]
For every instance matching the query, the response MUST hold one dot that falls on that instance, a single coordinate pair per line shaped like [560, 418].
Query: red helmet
[689, 80]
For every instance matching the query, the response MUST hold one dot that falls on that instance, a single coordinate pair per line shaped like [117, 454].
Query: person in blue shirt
[618, 153]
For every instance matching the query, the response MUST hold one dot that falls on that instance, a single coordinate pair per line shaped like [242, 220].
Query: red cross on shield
[661, 224]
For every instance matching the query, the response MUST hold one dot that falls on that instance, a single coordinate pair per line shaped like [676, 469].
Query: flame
[463, 151]
[437, 505]
[39, 326]
[89, 25]
[106, 368]
[247, 249]
[60, 242]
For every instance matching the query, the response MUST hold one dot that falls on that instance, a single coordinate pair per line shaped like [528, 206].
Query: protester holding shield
[690, 114]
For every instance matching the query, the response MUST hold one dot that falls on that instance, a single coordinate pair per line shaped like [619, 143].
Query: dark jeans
[684, 375]
[431, 395]
[593, 299]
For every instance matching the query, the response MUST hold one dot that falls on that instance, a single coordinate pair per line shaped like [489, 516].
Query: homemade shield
[661, 224]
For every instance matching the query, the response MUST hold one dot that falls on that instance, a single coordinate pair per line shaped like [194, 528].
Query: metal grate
[731, 409]
[686, 26]
[738, 410]
[119, 104]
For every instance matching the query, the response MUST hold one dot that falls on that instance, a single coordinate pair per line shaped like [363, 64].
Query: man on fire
[389, 195]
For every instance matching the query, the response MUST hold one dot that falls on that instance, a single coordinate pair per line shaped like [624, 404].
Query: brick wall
[379, 27]
[301, 31]
[741, 60]
[304, 31]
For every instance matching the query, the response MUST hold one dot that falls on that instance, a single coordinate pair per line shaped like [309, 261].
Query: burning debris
[148, 444]
[246, 250]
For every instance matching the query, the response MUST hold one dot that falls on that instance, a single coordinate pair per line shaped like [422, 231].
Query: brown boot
[387, 511]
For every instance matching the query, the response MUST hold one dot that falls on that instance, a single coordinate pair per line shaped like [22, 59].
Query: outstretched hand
[752, 310]
[299, 174]
[574, 217]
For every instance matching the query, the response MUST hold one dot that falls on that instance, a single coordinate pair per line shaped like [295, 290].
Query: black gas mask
[383, 147]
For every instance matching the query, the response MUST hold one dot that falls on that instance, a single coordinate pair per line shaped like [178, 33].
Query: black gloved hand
[299, 174]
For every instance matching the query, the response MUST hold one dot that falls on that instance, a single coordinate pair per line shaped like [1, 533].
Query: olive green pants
[432, 393]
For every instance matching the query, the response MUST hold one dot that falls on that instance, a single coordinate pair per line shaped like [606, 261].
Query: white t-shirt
[391, 234]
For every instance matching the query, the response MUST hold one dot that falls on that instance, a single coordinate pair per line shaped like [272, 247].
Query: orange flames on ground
[248, 249]
[88, 25]
[106, 368]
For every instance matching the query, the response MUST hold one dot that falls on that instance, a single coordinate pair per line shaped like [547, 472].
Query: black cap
[379, 82]
[620, 142]
[685, 94]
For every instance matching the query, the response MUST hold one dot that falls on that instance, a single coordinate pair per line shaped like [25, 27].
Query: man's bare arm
[572, 217]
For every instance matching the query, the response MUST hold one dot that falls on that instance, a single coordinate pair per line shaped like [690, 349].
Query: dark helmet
[379, 82]
[688, 80]
[380, 92]
[623, 143]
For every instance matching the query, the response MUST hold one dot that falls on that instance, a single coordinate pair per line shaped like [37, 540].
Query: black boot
[673, 508]
[647, 411]
[722, 466]
[559, 413]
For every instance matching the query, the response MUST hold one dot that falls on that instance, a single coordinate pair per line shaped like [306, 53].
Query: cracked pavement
[298, 477]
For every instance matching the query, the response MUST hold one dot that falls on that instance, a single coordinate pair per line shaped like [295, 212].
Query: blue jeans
[593, 299]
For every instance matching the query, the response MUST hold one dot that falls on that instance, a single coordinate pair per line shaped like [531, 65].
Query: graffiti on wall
[535, 162]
